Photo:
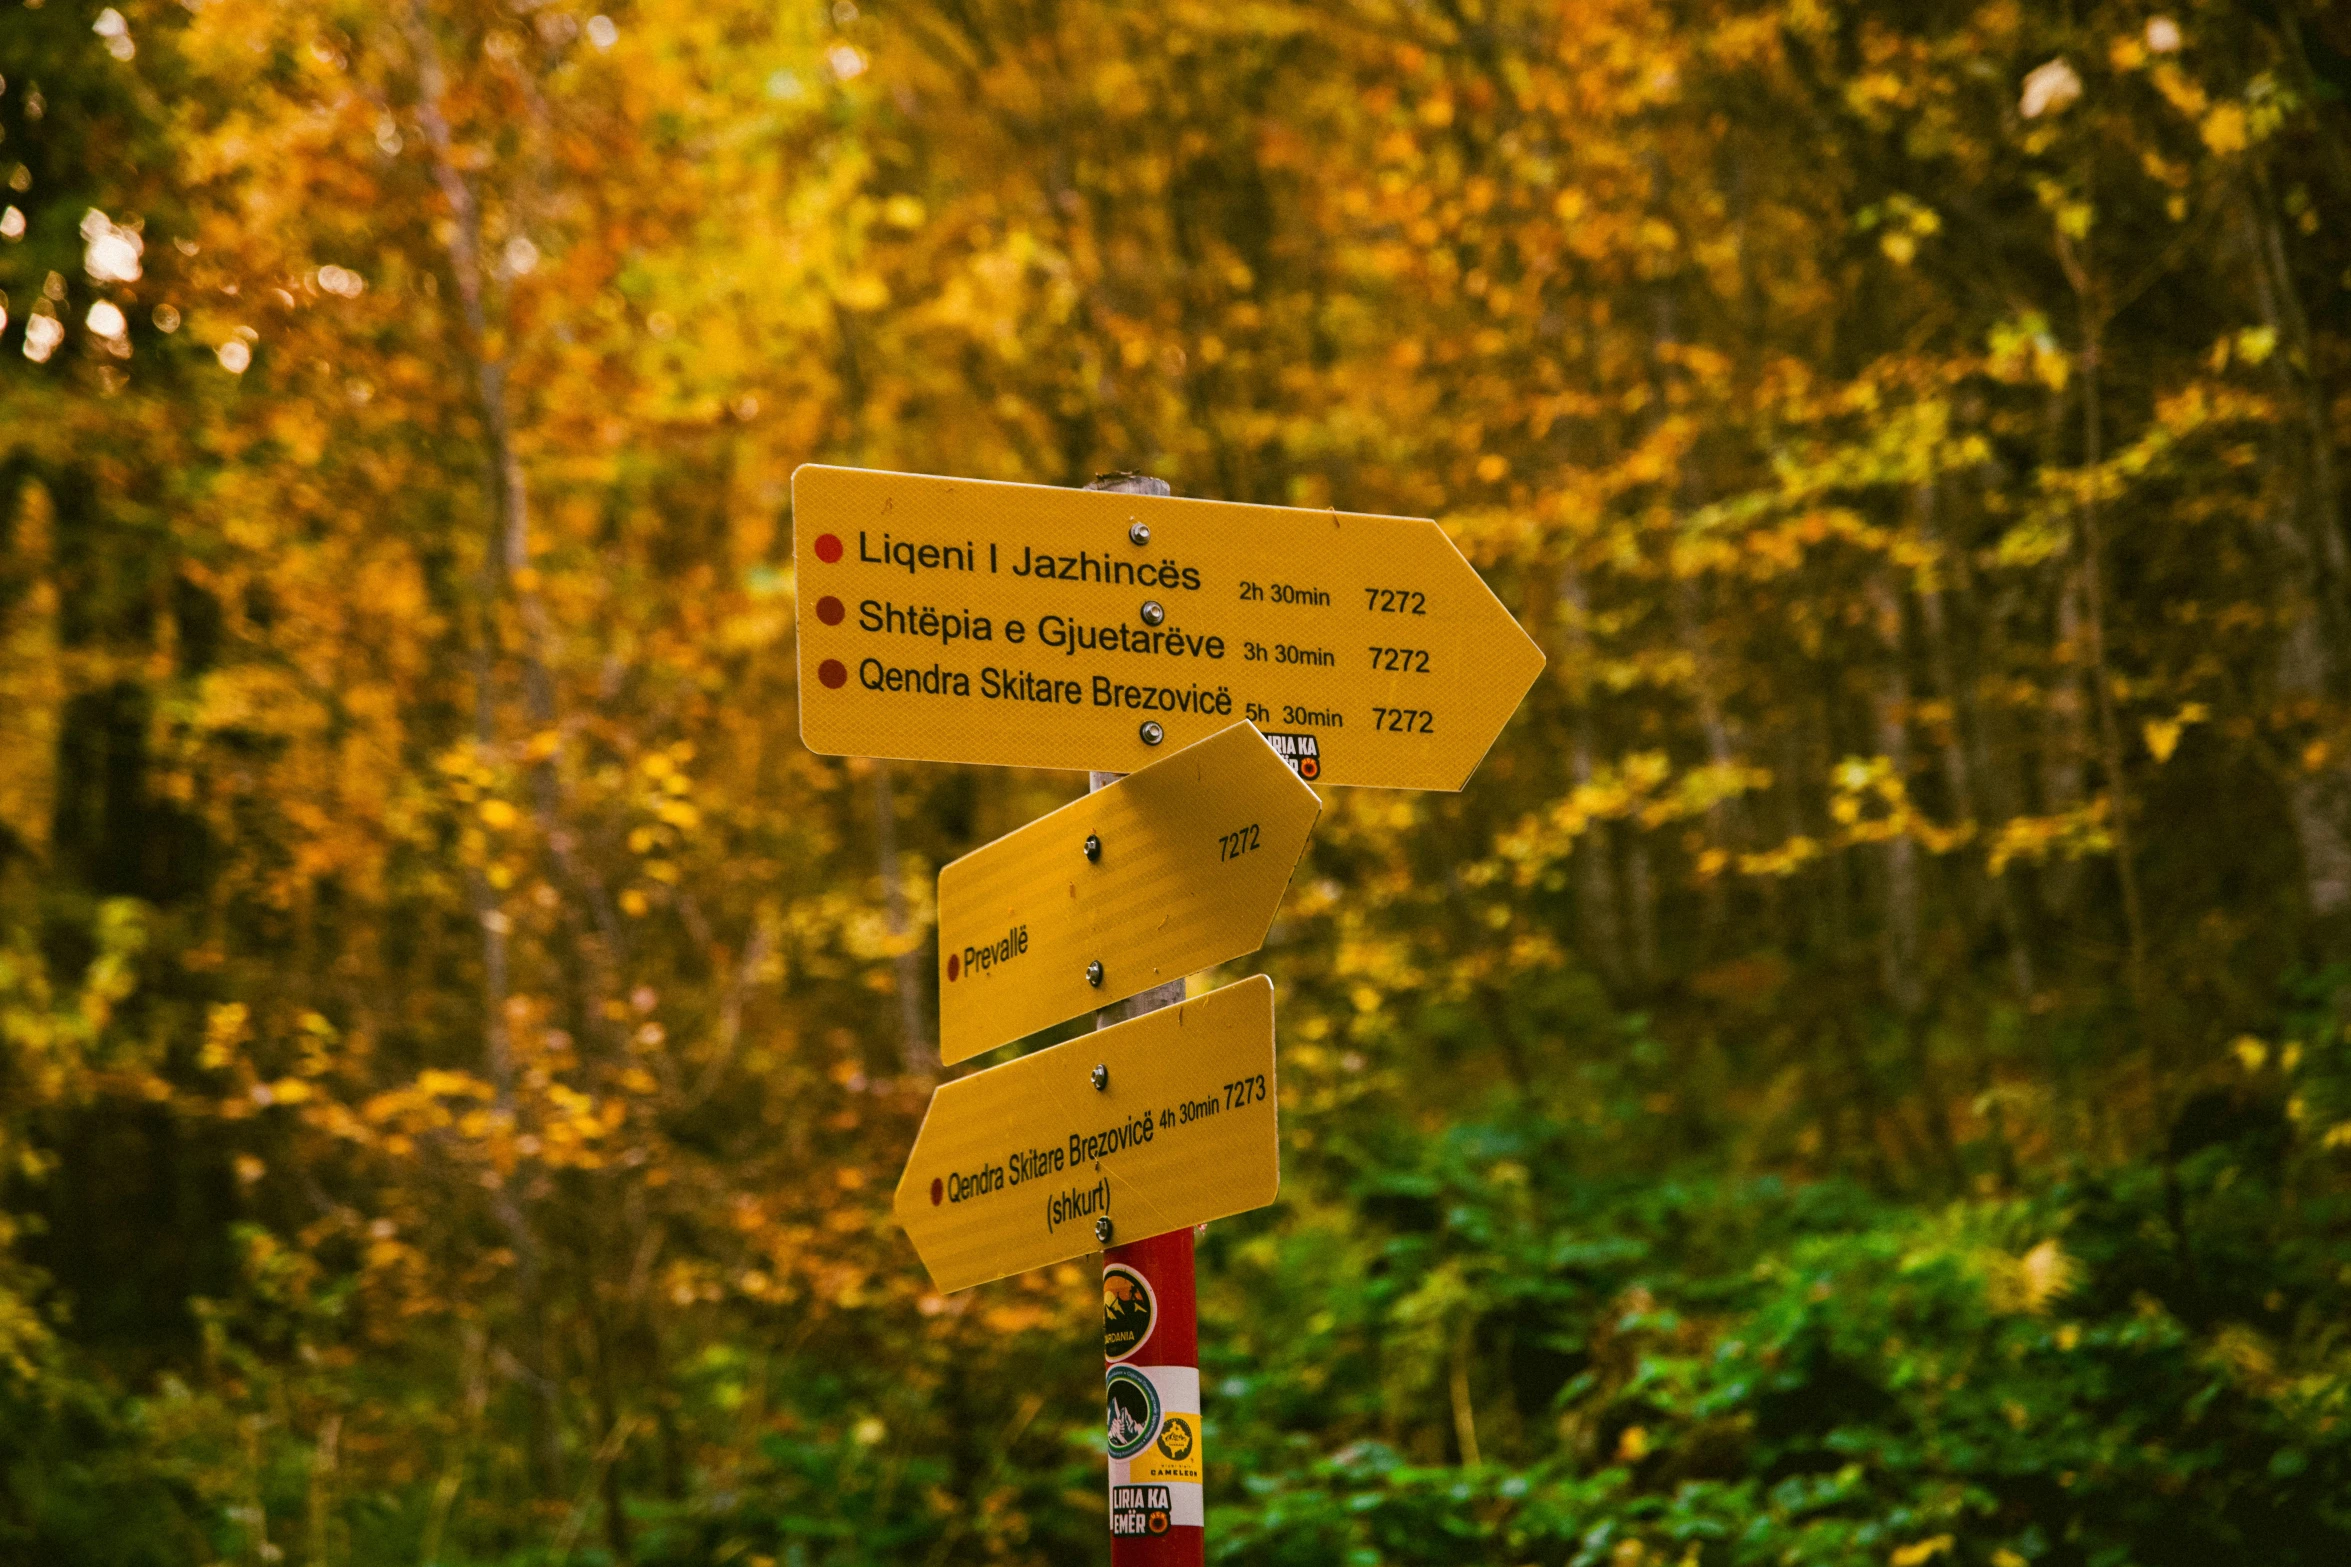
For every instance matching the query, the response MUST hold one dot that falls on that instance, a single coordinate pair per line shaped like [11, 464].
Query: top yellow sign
[957, 620]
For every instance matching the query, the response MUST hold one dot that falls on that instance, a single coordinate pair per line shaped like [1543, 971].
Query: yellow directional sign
[956, 620]
[1166, 872]
[1153, 1125]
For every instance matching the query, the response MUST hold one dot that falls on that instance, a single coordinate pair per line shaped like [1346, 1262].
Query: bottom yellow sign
[1161, 1122]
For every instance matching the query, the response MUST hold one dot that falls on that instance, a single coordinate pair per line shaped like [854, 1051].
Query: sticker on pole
[1168, 1457]
[1141, 1509]
[1132, 1411]
[1129, 1308]
[1173, 1456]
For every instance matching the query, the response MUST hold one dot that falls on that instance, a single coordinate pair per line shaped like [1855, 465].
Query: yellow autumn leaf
[2179, 90]
[866, 291]
[2047, 1273]
[224, 1031]
[437, 1082]
[1923, 1551]
[2224, 129]
[2028, 1284]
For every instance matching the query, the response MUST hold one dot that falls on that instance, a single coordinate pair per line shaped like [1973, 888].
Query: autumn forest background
[1862, 1075]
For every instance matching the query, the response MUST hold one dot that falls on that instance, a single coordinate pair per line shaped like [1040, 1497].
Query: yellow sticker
[1172, 1456]
[1168, 871]
[957, 620]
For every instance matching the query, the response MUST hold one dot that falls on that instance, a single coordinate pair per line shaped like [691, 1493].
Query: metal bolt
[1093, 849]
[1094, 973]
[1101, 1077]
[1102, 1230]
[1140, 533]
[1152, 613]
[1152, 733]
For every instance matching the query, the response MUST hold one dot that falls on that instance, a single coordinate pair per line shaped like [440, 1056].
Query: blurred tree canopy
[1861, 1076]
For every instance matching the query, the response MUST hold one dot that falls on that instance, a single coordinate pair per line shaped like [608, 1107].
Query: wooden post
[1151, 1337]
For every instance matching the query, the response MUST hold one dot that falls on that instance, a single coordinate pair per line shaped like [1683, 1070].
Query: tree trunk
[1899, 945]
[919, 1055]
[2309, 535]
[1595, 861]
[506, 554]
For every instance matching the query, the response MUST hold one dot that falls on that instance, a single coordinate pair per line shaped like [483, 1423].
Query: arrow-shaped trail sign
[1154, 1125]
[1166, 872]
[956, 620]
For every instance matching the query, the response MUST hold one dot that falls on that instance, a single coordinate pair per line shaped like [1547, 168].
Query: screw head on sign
[1102, 1230]
[1140, 533]
[1093, 849]
[1094, 973]
[1152, 613]
[1101, 1075]
[1152, 733]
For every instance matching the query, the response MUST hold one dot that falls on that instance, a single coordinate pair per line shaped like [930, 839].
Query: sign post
[1205, 663]
[1157, 1519]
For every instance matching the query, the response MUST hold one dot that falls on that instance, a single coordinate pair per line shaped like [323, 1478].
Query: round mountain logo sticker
[1133, 1411]
[1128, 1311]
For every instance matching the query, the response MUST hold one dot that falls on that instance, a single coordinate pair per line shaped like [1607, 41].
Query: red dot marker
[828, 610]
[954, 966]
[938, 1191]
[832, 674]
[828, 548]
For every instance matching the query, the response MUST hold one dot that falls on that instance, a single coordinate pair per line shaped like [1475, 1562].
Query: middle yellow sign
[1168, 871]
